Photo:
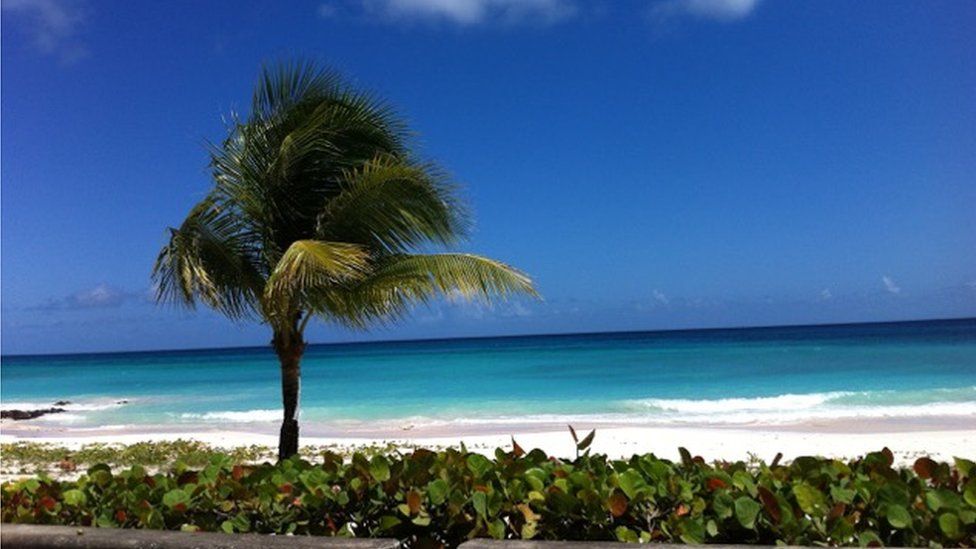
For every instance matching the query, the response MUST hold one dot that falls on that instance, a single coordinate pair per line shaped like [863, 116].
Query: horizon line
[489, 337]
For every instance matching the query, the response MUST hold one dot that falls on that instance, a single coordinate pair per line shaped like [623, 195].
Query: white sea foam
[773, 410]
[245, 416]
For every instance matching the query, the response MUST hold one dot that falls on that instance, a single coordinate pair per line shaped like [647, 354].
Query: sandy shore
[908, 440]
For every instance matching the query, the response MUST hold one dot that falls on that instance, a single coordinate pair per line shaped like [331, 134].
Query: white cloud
[660, 297]
[473, 12]
[890, 285]
[717, 10]
[100, 297]
[826, 295]
[52, 24]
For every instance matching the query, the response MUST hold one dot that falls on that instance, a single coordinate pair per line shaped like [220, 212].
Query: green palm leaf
[405, 280]
[307, 269]
[393, 206]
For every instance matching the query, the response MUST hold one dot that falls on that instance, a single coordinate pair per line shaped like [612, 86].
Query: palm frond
[307, 269]
[405, 280]
[211, 258]
[393, 205]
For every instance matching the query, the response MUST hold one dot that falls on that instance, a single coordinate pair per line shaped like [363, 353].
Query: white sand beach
[906, 440]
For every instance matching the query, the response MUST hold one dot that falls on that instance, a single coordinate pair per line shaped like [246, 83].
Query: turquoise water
[765, 375]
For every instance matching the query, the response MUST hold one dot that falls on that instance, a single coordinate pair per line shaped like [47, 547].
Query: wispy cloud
[716, 10]
[53, 26]
[474, 12]
[102, 296]
[660, 297]
[890, 285]
[826, 295]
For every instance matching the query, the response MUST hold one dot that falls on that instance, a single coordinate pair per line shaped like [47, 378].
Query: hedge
[444, 498]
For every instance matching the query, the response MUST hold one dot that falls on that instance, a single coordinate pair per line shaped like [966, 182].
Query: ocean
[765, 376]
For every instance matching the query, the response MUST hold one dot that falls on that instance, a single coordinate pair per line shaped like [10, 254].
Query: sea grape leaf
[379, 468]
[723, 505]
[617, 504]
[925, 467]
[480, 502]
[746, 511]
[388, 521]
[585, 443]
[437, 491]
[176, 497]
[631, 482]
[74, 497]
[478, 464]
[771, 504]
[693, 531]
[969, 494]
[626, 535]
[811, 500]
[496, 529]
[965, 466]
[950, 526]
[898, 516]
[843, 495]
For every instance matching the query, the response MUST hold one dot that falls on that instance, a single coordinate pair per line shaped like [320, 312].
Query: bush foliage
[444, 498]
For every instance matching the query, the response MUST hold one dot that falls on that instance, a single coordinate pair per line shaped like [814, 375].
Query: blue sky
[653, 164]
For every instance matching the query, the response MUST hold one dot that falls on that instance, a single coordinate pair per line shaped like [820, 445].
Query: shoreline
[908, 439]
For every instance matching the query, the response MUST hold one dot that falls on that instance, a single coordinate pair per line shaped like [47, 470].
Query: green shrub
[447, 497]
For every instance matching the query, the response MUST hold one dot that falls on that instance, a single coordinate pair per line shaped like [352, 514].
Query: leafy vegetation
[35, 457]
[320, 209]
[443, 498]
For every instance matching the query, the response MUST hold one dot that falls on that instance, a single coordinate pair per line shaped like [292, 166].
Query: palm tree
[319, 209]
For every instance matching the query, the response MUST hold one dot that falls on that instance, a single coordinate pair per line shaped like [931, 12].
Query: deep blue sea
[738, 376]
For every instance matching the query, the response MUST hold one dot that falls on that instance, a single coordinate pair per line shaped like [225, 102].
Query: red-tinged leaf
[837, 511]
[120, 516]
[716, 483]
[237, 472]
[297, 502]
[770, 503]
[179, 507]
[776, 460]
[480, 488]
[144, 504]
[285, 488]
[47, 502]
[413, 502]
[517, 450]
[889, 457]
[617, 504]
[925, 467]
[560, 473]
[682, 510]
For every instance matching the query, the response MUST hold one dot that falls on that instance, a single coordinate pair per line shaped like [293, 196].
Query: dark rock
[123, 401]
[62, 403]
[20, 415]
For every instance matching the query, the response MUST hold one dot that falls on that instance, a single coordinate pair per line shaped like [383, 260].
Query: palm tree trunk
[289, 349]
